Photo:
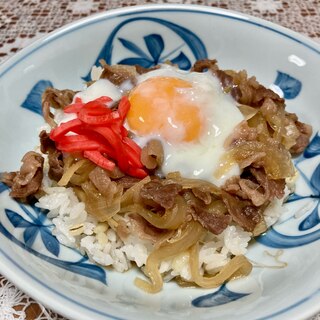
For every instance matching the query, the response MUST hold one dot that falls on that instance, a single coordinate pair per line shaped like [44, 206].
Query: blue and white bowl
[64, 280]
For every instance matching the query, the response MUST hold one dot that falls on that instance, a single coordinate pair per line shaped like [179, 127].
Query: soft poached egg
[187, 111]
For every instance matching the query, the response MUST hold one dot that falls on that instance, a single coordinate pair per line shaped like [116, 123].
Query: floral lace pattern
[24, 21]
[15, 305]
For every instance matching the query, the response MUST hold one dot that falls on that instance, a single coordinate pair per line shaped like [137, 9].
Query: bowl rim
[35, 287]
[297, 37]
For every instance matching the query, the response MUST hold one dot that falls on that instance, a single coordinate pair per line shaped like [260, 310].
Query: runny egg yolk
[164, 106]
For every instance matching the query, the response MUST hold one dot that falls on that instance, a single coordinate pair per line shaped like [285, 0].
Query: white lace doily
[15, 305]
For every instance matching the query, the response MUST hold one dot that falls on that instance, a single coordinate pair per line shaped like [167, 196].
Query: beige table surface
[24, 21]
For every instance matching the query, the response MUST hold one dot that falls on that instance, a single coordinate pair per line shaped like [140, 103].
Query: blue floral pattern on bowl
[222, 296]
[33, 222]
[289, 85]
[156, 46]
[310, 220]
[33, 99]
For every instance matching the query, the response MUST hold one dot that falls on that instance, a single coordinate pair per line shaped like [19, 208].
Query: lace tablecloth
[23, 21]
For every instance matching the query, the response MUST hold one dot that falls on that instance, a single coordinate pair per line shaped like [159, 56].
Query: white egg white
[199, 159]
[99, 88]
[102, 87]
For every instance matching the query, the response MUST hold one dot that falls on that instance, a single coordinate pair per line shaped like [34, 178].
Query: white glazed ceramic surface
[64, 280]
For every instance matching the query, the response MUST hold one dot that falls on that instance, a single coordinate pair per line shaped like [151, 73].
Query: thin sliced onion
[259, 122]
[226, 163]
[260, 228]
[276, 160]
[275, 117]
[80, 194]
[70, 172]
[175, 177]
[152, 154]
[82, 174]
[133, 193]
[171, 219]
[247, 111]
[238, 266]
[192, 233]
[217, 207]
[98, 206]
[291, 134]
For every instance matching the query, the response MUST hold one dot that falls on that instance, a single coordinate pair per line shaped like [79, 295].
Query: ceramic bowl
[64, 280]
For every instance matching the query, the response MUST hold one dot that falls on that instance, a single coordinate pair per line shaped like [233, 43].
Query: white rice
[75, 228]
[275, 209]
